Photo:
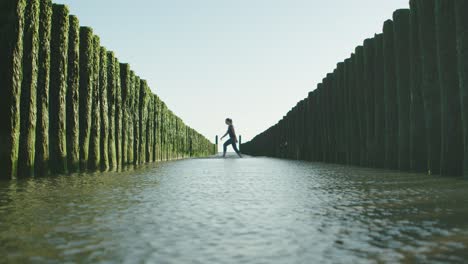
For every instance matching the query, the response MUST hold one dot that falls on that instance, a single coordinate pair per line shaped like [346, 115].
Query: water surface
[251, 210]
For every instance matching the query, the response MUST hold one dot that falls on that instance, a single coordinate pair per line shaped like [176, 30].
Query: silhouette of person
[232, 138]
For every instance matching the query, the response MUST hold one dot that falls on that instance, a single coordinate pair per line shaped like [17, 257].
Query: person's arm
[225, 135]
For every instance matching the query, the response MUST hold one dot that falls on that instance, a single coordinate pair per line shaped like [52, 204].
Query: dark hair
[229, 120]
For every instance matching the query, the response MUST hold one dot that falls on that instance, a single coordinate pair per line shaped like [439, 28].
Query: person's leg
[227, 143]
[234, 146]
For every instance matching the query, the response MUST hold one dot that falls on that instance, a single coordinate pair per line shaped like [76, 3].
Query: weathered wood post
[347, 116]
[240, 142]
[104, 110]
[28, 106]
[360, 104]
[401, 30]
[136, 120]
[339, 118]
[131, 121]
[42, 128]
[369, 87]
[58, 88]
[158, 129]
[331, 108]
[379, 103]
[354, 112]
[73, 103]
[111, 102]
[462, 54]
[312, 130]
[390, 98]
[125, 80]
[86, 92]
[11, 76]
[430, 83]
[95, 143]
[451, 160]
[142, 123]
[118, 114]
[149, 127]
[418, 145]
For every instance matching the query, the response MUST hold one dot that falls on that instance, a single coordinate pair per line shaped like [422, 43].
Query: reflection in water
[252, 210]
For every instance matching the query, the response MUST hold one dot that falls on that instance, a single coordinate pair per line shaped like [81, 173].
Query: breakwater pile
[68, 105]
[399, 102]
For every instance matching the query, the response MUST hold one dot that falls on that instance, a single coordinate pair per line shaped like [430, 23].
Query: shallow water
[251, 210]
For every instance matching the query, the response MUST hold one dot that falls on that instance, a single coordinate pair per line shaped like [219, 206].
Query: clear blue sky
[250, 60]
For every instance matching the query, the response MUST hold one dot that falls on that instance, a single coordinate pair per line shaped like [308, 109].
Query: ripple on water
[252, 210]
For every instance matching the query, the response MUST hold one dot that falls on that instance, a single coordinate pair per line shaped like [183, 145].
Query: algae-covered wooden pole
[42, 127]
[308, 131]
[10, 77]
[354, 119]
[136, 120]
[360, 104]
[111, 90]
[390, 98]
[430, 83]
[104, 110]
[143, 115]
[348, 114]
[58, 88]
[326, 82]
[72, 102]
[171, 135]
[130, 123]
[369, 86]
[118, 114]
[379, 103]
[332, 117]
[317, 130]
[149, 131]
[158, 129]
[86, 92]
[418, 145]
[95, 143]
[462, 54]
[401, 29]
[125, 90]
[155, 127]
[164, 122]
[451, 160]
[28, 106]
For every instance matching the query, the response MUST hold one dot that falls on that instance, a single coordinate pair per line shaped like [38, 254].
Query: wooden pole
[430, 83]
[11, 77]
[28, 106]
[73, 96]
[86, 92]
[42, 128]
[451, 163]
[462, 55]
[58, 88]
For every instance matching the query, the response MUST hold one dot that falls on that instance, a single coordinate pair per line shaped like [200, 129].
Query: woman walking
[232, 138]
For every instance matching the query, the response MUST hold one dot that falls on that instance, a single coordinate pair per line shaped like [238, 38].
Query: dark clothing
[232, 142]
[232, 134]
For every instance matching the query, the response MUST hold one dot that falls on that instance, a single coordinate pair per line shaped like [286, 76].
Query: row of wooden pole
[68, 105]
[400, 101]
